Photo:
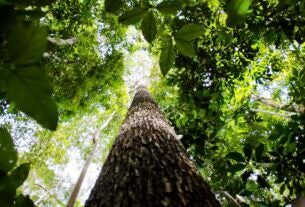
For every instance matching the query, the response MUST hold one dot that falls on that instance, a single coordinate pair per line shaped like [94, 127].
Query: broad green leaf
[133, 16]
[237, 167]
[31, 91]
[20, 174]
[237, 11]
[170, 6]
[185, 48]
[24, 201]
[168, 54]
[27, 43]
[189, 32]
[113, 5]
[149, 27]
[8, 153]
[236, 156]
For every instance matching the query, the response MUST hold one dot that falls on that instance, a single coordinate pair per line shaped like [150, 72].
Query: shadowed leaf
[27, 43]
[24, 201]
[185, 48]
[168, 54]
[113, 5]
[236, 156]
[8, 153]
[237, 11]
[20, 174]
[149, 27]
[30, 89]
[189, 32]
[170, 6]
[133, 16]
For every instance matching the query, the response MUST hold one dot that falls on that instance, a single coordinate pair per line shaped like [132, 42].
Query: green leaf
[24, 201]
[170, 6]
[237, 167]
[20, 174]
[149, 27]
[133, 16]
[237, 11]
[7, 191]
[26, 43]
[189, 32]
[31, 91]
[259, 152]
[247, 151]
[236, 156]
[262, 182]
[168, 54]
[8, 153]
[113, 5]
[246, 175]
[185, 48]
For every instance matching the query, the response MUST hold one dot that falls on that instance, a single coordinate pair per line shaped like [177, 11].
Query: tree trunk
[147, 165]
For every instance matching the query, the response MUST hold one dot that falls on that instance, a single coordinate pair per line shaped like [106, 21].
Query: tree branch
[280, 106]
[273, 113]
[62, 42]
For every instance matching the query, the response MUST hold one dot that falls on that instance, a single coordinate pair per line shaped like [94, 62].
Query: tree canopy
[229, 75]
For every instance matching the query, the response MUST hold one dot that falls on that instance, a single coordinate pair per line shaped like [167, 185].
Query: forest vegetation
[228, 75]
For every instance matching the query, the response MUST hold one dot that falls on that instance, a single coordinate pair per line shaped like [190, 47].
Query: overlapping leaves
[11, 177]
[147, 16]
[27, 85]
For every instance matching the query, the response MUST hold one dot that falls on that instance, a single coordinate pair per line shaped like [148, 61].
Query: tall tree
[147, 165]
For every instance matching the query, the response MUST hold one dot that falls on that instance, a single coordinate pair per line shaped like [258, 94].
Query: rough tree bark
[147, 165]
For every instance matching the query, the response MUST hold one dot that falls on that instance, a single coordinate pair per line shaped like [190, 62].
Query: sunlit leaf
[31, 91]
[8, 153]
[189, 32]
[168, 54]
[170, 6]
[133, 16]
[237, 11]
[149, 27]
[27, 43]
[185, 48]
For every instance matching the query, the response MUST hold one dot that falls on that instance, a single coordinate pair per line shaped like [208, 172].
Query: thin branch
[288, 116]
[280, 106]
[62, 42]
[230, 198]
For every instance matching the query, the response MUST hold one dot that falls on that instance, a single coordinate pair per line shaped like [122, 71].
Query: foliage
[63, 61]
[11, 176]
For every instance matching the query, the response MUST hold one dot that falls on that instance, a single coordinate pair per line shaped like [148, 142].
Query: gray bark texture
[147, 165]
